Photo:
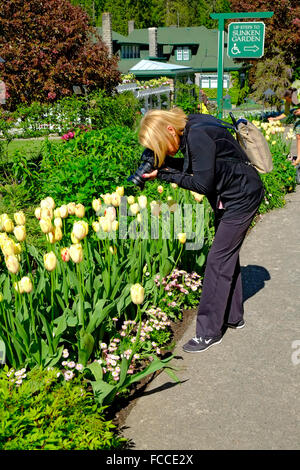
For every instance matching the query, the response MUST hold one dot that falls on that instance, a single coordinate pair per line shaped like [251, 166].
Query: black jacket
[214, 165]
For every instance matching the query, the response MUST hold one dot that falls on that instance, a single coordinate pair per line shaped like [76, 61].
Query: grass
[29, 147]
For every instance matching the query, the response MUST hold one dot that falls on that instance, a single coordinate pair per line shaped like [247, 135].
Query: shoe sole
[203, 350]
[235, 327]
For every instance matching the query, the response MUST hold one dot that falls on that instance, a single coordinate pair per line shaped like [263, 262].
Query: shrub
[47, 413]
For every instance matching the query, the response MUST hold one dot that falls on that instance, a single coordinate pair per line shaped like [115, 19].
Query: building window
[130, 52]
[211, 81]
[183, 53]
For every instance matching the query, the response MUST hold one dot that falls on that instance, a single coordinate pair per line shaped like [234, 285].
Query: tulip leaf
[53, 360]
[102, 390]
[86, 347]
[96, 370]
[123, 373]
[155, 365]
[7, 290]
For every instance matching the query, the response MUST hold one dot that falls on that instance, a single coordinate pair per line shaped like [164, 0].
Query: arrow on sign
[251, 48]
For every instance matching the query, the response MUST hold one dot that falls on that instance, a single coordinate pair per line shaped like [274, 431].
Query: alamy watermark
[296, 354]
[165, 221]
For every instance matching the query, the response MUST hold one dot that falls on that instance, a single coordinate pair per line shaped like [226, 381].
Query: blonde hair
[153, 133]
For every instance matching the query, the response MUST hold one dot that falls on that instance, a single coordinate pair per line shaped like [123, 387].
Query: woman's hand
[150, 176]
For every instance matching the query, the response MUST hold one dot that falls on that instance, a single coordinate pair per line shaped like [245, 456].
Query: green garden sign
[238, 50]
[246, 40]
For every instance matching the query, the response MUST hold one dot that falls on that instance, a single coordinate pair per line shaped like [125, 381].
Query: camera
[147, 166]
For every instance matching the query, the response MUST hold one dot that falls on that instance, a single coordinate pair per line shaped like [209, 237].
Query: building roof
[149, 68]
[115, 36]
[204, 43]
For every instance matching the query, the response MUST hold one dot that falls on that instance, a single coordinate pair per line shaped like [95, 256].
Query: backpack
[250, 140]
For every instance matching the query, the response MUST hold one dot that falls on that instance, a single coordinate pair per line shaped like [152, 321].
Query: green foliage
[47, 413]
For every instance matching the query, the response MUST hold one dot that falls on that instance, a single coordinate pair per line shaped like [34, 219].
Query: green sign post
[246, 40]
[221, 17]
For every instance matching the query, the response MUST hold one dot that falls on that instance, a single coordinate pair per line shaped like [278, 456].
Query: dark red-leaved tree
[49, 46]
[282, 29]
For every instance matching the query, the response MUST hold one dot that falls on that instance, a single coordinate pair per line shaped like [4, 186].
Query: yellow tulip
[155, 208]
[110, 213]
[20, 218]
[130, 200]
[26, 284]
[96, 204]
[48, 202]
[12, 264]
[79, 230]
[18, 248]
[105, 224]
[8, 247]
[8, 225]
[74, 239]
[50, 261]
[96, 226]
[134, 208]
[160, 189]
[181, 237]
[107, 198]
[139, 218]
[79, 210]
[20, 233]
[51, 237]
[58, 234]
[137, 294]
[142, 201]
[63, 211]
[115, 199]
[76, 253]
[71, 208]
[174, 185]
[46, 212]
[38, 213]
[58, 222]
[120, 190]
[65, 254]
[115, 225]
[113, 250]
[56, 213]
[46, 225]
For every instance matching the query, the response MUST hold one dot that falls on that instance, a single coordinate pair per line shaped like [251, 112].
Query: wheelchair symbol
[235, 50]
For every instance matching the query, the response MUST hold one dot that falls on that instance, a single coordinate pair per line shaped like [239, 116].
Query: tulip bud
[71, 208]
[46, 212]
[79, 230]
[107, 198]
[1, 298]
[174, 185]
[134, 208]
[96, 226]
[12, 264]
[79, 210]
[113, 250]
[38, 213]
[58, 234]
[155, 208]
[74, 239]
[51, 237]
[181, 237]
[105, 224]
[48, 202]
[56, 213]
[115, 225]
[18, 248]
[76, 253]
[3, 217]
[20, 218]
[50, 261]
[8, 247]
[198, 197]
[139, 218]
[120, 190]
[142, 200]
[110, 213]
[20, 233]
[58, 222]
[46, 225]
[86, 225]
[63, 211]
[26, 284]
[8, 225]
[65, 254]
[160, 189]
[115, 199]
[18, 288]
[137, 294]
[130, 200]
[96, 204]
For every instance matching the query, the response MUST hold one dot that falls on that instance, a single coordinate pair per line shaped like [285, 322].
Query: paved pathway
[244, 392]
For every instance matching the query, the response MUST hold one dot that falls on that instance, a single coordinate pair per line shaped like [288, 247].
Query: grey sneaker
[236, 326]
[199, 344]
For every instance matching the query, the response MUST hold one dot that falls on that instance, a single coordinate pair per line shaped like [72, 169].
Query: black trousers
[222, 293]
